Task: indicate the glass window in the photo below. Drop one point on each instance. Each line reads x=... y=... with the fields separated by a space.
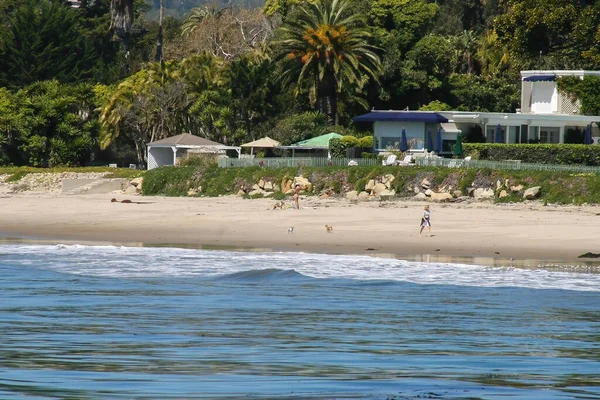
x=549 y=135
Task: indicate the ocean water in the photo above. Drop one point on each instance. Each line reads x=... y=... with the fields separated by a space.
x=103 y=322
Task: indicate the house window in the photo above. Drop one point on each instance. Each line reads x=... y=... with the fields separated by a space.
x=549 y=135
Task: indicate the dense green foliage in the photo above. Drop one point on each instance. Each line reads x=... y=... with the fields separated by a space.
x=556 y=187
x=535 y=153
x=73 y=91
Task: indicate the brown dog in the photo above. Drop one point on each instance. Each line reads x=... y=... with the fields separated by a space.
x=280 y=204
x=329 y=228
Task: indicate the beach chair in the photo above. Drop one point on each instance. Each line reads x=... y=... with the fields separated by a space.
x=391 y=160
x=407 y=161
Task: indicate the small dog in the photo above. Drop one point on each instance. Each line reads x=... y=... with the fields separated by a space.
x=280 y=204
x=291 y=229
x=329 y=228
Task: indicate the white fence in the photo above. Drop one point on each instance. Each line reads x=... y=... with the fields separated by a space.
x=283 y=162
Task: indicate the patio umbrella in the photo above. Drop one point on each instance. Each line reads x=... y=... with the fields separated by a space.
x=458 y=145
x=499 y=137
x=403 y=142
x=438 y=141
x=429 y=141
x=587 y=135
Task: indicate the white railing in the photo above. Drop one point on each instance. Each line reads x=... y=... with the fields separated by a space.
x=283 y=162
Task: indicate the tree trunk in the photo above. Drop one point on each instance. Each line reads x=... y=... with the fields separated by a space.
x=159 y=39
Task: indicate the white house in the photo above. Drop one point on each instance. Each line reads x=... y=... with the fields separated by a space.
x=546 y=115
x=167 y=151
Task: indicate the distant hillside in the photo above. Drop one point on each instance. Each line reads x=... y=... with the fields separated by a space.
x=178 y=8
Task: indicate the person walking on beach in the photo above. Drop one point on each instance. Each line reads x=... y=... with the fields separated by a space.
x=426 y=222
x=297 y=189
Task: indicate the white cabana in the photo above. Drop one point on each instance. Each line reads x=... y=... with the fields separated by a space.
x=166 y=151
x=264 y=143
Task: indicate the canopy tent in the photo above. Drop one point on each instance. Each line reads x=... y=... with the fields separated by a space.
x=165 y=151
x=264 y=143
x=316 y=143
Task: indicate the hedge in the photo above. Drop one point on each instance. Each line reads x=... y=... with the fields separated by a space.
x=564 y=154
x=338 y=147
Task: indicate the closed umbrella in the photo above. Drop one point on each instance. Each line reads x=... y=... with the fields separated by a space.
x=429 y=141
x=587 y=135
x=499 y=136
x=458 y=146
x=403 y=142
x=438 y=141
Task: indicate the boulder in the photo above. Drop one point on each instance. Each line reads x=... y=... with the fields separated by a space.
x=416 y=190
x=261 y=183
x=131 y=190
x=429 y=192
x=255 y=192
x=532 y=193
x=363 y=196
x=304 y=183
x=483 y=194
x=503 y=194
x=352 y=195
x=387 y=195
x=286 y=185
x=378 y=188
x=516 y=188
x=420 y=196
x=276 y=187
x=192 y=192
x=457 y=193
x=268 y=186
x=370 y=185
x=440 y=196
x=425 y=184
x=256 y=187
x=241 y=192
x=137 y=182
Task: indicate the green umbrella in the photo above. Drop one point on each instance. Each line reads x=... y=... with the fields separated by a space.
x=458 y=146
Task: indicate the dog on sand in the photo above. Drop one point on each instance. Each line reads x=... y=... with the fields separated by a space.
x=280 y=204
x=329 y=228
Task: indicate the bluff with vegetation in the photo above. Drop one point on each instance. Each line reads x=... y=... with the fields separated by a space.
x=90 y=85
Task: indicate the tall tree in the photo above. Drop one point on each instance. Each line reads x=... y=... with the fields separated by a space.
x=329 y=47
x=44 y=41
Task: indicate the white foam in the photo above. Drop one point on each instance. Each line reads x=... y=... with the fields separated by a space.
x=117 y=261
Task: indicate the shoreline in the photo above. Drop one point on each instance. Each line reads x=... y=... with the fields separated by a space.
x=476 y=231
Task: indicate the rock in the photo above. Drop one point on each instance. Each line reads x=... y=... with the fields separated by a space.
x=483 y=194
x=324 y=196
x=420 y=196
x=363 y=196
x=241 y=192
x=429 y=192
x=352 y=163
x=256 y=187
x=457 y=193
x=261 y=183
x=370 y=185
x=286 y=184
x=425 y=184
x=276 y=188
x=352 y=195
x=532 y=193
x=503 y=194
x=387 y=195
x=190 y=192
x=378 y=188
x=130 y=190
x=289 y=192
x=516 y=189
x=373 y=198
x=416 y=190
x=499 y=184
x=304 y=183
x=440 y=196
x=137 y=182
x=255 y=192
x=389 y=178
x=268 y=186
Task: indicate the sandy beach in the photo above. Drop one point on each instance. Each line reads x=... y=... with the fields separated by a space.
x=475 y=230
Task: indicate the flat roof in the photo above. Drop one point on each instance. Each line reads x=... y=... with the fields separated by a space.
x=410 y=116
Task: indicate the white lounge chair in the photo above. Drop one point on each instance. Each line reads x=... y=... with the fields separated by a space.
x=407 y=161
x=391 y=160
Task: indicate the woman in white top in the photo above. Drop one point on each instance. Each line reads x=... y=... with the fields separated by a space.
x=426 y=221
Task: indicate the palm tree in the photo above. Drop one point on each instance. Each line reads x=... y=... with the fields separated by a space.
x=328 y=45
x=492 y=56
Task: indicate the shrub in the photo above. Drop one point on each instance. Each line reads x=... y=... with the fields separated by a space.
x=536 y=153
